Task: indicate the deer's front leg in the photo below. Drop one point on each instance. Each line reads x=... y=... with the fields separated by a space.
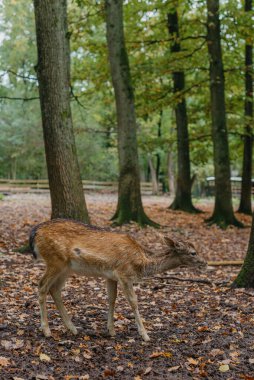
x=132 y=299
x=112 y=293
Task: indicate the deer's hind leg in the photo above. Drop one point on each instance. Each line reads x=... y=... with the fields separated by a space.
x=47 y=280
x=55 y=291
x=112 y=293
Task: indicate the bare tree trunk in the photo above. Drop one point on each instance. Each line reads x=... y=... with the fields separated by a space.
x=129 y=195
x=53 y=70
x=182 y=199
x=223 y=214
x=153 y=175
x=171 y=176
x=245 y=201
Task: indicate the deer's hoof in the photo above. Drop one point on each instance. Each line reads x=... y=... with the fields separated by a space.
x=46 y=332
x=73 y=330
x=146 y=338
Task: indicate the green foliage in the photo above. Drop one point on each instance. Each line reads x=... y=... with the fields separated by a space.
x=152 y=65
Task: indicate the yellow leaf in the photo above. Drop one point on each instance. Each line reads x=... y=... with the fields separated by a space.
x=192 y=361
x=162 y=353
x=224 y=368
x=45 y=358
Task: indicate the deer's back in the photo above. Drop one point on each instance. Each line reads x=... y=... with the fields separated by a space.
x=87 y=249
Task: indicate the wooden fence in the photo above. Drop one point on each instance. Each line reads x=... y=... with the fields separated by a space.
x=41 y=185
x=236 y=183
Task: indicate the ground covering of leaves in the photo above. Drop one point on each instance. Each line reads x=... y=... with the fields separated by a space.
x=198 y=330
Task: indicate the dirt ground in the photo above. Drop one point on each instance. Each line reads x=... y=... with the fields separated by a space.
x=199 y=327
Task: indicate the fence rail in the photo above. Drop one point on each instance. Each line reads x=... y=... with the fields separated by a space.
x=42 y=185
x=236 y=184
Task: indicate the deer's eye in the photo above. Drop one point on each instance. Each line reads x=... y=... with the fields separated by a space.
x=193 y=253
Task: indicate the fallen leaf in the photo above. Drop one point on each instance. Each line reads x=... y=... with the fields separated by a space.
x=44 y=357
x=162 y=353
x=4 y=362
x=192 y=361
x=147 y=370
x=216 y=352
x=174 y=369
x=109 y=372
x=6 y=344
x=224 y=368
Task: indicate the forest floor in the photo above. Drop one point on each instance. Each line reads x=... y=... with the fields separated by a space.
x=198 y=330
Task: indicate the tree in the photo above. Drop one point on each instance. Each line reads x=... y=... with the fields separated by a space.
x=182 y=199
x=245 y=278
x=129 y=205
x=223 y=214
x=245 y=201
x=53 y=72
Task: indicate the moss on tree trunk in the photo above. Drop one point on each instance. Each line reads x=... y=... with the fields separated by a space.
x=245 y=278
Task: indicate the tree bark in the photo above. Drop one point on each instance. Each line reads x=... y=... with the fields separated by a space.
x=182 y=199
x=245 y=278
x=245 y=200
x=53 y=70
x=129 y=194
x=223 y=214
x=153 y=175
x=171 y=176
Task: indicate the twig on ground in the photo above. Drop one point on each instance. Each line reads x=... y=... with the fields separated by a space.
x=202 y=281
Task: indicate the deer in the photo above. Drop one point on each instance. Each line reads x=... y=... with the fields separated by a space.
x=71 y=247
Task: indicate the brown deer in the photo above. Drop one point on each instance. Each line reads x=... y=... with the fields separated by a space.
x=70 y=247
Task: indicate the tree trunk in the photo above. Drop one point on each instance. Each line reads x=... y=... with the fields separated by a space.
x=153 y=175
x=53 y=70
x=223 y=214
x=158 y=156
x=245 y=201
x=171 y=176
x=245 y=278
x=129 y=195
x=182 y=199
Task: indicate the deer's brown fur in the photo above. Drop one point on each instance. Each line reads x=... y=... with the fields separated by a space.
x=71 y=247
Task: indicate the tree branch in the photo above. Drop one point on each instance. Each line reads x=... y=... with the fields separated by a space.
x=19 y=98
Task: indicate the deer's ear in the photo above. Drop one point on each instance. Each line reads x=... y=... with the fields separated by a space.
x=169 y=242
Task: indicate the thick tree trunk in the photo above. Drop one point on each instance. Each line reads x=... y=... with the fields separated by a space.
x=223 y=214
x=182 y=199
x=245 y=201
x=129 y=195
x=53 y=70
x=245 y=278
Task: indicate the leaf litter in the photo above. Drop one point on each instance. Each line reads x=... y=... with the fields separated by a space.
x=198 y=330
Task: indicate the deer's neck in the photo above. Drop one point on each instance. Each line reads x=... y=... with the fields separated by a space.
x=159 y=265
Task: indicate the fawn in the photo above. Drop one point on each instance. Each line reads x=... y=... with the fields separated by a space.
x=69 y=246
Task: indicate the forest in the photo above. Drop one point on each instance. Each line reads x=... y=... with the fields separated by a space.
x=126 y=154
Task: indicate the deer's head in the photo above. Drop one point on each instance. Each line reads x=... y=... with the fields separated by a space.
x=185 y=253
